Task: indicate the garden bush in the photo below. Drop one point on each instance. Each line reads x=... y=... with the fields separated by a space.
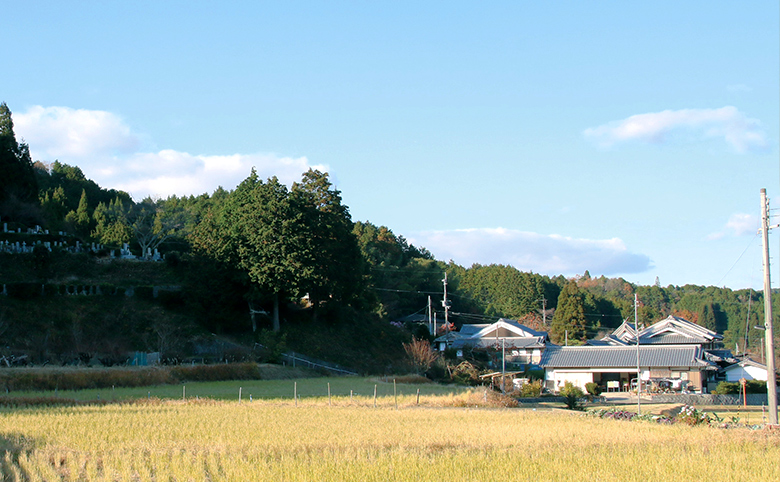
x=572 y=394
x=733 y=388
x=532 y=389
x=593 y=388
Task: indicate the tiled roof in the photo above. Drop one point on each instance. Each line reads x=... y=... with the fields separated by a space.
x=514 y=342
x=489 y=334
x=669 y=331
x=672 y=339
x=620 y=357
x=471 y=329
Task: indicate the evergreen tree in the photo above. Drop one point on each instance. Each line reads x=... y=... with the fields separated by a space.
x=333 y=265
x=17 y=182
x=111 y=226
x=257 y=230
x=569 y=320
x=80 y=218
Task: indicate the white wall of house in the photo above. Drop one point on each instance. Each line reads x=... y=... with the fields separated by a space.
x=748 y=373
x=577 y=378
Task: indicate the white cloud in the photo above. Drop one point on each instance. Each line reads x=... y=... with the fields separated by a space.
x=739 y=224
x=65 y=132
x=742 y=224
x=546 y=254
x=738 y=88
x=741 y=132
x=110 y=153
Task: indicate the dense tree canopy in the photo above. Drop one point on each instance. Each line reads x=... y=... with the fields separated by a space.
x=269 y=244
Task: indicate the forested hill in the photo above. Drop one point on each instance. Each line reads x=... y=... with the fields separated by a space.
x=272 y=256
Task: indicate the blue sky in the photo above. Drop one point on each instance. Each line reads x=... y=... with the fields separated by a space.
x=629 y=139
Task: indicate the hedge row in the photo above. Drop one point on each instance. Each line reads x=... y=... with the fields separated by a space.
x=30 y=379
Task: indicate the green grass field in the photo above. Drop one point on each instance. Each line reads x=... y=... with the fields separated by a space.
x=453 y=434
x=340 y=387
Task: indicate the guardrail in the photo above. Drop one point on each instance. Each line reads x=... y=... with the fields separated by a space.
x=296 y=359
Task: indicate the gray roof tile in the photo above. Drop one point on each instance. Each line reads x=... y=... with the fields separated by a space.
x=619 y=357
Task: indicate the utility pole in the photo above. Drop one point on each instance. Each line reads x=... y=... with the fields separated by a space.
x=769 y=336
x=544 y=310
x=431 y=328
x=446 y=304
x=638 y=372
x=503 y=365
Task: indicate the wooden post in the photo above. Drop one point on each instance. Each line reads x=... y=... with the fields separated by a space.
x=295 y=393
x=350 y=396
x=239 y=394
x=184 y=392
x=418 y=396
x=374 y=396
x=329 y=394
x=395 y=394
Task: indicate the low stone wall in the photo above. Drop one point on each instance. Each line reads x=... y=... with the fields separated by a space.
x=694 y=399
x=540 y=399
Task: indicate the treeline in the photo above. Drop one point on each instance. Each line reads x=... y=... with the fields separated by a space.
x=273 y=249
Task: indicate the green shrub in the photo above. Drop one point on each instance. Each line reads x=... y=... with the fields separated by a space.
x=532 y=389
x=593 y=388
x=755 y=386
x=572 y=394
x=273 y=344
x=733 y=388
x=727 y=388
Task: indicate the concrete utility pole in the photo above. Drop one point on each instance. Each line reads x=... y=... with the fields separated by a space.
x=446 y=305
x=431 y=328
x=638 y=372
x=544 y=310
x=769 y=335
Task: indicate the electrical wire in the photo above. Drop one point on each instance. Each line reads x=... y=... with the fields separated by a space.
x=737 y=261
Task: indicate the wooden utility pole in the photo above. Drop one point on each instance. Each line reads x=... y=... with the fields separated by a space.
x=769 y=335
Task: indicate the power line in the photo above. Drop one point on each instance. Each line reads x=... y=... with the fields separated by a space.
x=740 y=257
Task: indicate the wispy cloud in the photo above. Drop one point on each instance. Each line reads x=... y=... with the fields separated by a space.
x=739 y=224
x=741 y=132
x=738 y=88
x=109 y=152
x=546 y=254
